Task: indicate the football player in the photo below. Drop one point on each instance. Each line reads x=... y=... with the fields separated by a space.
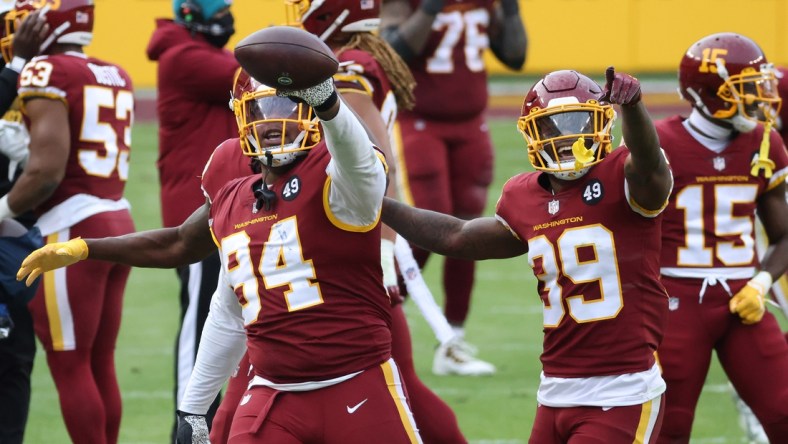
x=589 y=219
x=728 y=163
x=446 y=147
x=374 y=82
x=79 y=112
x=193 y=119
x=300 y=252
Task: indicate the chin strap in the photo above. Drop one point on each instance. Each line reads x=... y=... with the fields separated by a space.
x=264 y=196
x=762 y=162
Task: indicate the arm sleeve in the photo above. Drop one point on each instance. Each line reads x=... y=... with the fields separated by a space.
x=8 y=91
x=222 y=345
x=358 y=176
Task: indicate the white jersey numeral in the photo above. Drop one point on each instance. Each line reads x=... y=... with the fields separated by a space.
x=282 y=264
x=472 y=25
x=94 y=130
x=600 y=265
x=695 y=251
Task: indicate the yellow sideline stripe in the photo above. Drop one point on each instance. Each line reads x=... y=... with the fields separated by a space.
x=645 y=417
x=388 y=373
x=50 y=299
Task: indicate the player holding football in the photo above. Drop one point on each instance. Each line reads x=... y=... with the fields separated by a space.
x=728 y=164
x=445 y=147
x=79 y=112
x=589 y=220
x=300 y=249
x=375 y=83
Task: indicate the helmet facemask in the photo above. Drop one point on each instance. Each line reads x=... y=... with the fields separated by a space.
x=273 y=129
x=567 y=138
x=752 y=95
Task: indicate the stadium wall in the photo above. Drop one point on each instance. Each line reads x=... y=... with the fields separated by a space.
x=588 y=35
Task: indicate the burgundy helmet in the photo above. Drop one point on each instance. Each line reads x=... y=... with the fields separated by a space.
x=70 y=21
x=325 y=17
x=257 y=108
x=566 y=128
x=726 y=76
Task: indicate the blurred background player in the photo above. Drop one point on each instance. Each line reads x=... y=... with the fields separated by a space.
x=446 y=147
x=18 y=344
x=79 y=112
x=779 y=291
x=193 y=120
x=375 y=83
x=589 y=220
x=727 y=164
x=317 y=315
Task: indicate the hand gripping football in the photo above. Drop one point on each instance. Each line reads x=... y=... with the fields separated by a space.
x=284 y=57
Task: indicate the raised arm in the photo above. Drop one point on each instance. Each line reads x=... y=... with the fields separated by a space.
x=358 y=178
x=476 y=239
x=646 y=168
x=508 y=39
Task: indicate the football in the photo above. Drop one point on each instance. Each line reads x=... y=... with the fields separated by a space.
x=286 y=57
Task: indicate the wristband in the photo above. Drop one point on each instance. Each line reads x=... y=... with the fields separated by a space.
x=330 y=101
x=17 y=64
x=763 y=278
x=5 y=210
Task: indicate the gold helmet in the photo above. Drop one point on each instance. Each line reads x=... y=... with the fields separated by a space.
x=273 y=129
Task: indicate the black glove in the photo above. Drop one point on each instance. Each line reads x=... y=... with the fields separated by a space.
x=192 y=429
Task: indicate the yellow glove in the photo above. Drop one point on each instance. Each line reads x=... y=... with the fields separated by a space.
x=748 y=303
x=51 y=257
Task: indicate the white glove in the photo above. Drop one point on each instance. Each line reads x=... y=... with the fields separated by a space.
x=14 y=140
x=315 y=96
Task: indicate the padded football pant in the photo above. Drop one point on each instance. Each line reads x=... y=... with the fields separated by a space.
x=635 y=424
x=198 y=283
x=755 y=358
x=76 y=314
x=16 y=364
x=436 y=421
x=371 y=407
x=449 y=169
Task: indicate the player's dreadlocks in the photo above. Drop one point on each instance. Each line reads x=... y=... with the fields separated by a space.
x=399 y=74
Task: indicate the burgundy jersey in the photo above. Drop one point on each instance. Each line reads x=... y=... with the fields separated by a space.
x=709 y=222
x=100 y=103
x=230 y=163
x=596 y=261
x=782 y=90
x=312 y=294
x=451 y=79
x=360 y=72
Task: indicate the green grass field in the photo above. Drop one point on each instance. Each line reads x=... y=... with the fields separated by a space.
x=505 y=324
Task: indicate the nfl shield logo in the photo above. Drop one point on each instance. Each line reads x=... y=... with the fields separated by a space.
x=673 y=304
x=367 y=4
x=552 y=206
x=719 y=163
